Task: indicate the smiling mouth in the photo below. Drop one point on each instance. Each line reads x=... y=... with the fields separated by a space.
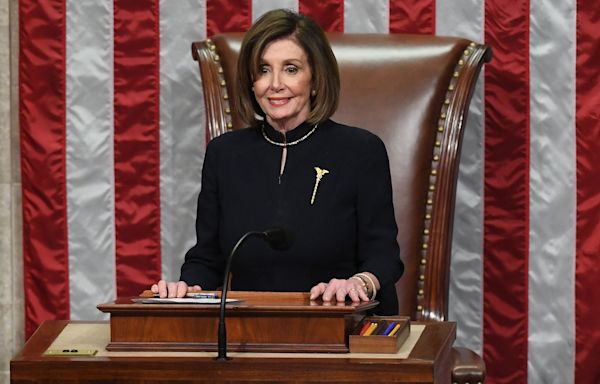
x=279 y=102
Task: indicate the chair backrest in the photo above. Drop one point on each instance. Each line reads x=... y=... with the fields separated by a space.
x=414 y=93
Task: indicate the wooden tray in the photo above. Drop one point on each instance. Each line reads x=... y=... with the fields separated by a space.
x=378 y=343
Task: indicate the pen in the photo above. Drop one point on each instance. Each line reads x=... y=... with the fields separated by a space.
x=393 y=332
x=202 y=295
x=389 y=328
x=364 y=328
x=198 y=295
x=371 y=329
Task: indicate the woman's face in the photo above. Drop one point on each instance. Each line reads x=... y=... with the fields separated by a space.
x=283 y=84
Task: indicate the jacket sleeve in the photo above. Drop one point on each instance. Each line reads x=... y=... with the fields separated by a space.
x=378 y=250
x=204 y=262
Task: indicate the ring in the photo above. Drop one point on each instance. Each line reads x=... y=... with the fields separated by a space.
x=352 y=289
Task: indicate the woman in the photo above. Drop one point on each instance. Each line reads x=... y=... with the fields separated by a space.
x=328 y=183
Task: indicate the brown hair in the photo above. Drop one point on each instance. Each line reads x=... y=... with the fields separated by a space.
x=277 y=24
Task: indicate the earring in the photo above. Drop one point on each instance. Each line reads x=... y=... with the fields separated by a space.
x=313 y=93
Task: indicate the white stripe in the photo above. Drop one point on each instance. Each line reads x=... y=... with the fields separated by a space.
x=89 y=156
x=552 y=192
x=366 y=16
x=259 y=7
x=465 y=19
x=181 y=129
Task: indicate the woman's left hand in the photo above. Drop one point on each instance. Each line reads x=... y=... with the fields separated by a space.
x=339 y=289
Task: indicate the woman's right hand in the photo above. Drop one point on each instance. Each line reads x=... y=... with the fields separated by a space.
x=173 y=289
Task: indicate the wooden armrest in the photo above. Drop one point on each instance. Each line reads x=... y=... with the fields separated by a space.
x=467 y=366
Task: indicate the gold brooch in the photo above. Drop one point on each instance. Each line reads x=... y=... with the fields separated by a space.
x=320 y=173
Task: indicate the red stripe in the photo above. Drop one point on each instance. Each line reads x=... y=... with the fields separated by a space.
x=42 y=134
x=136 y=144
x=506 y=190
x=328 y=14
x=412 y=16
x=587 y=270
x=228 y=16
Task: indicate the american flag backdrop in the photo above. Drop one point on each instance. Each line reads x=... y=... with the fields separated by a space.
x=112 y=142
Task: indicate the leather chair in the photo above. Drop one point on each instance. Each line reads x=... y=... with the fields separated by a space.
x=413 y=92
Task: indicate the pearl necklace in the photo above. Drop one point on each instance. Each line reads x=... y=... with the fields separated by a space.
x=291 y=142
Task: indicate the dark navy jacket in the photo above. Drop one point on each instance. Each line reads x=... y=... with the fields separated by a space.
x=349 y=227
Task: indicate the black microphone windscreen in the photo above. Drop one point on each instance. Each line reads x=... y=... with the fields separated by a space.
x=279 y=238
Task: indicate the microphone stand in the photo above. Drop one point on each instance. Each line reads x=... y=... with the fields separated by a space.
x=222 y=335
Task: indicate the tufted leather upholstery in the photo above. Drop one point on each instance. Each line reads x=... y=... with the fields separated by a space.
x=413 y=92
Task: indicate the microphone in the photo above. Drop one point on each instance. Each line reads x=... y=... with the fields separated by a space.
x=279 y=239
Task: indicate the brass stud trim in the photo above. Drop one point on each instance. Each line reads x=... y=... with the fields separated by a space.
x=225 y=108
x=436 y=156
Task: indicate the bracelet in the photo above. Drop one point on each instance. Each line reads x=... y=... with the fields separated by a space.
x=368 y=278
x=362 y=283
x=368 y=284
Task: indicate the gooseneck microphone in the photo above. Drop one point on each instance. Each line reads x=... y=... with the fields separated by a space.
x=279 y=239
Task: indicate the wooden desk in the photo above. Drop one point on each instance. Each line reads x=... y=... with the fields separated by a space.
x=428 y=362
x=259 y=322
